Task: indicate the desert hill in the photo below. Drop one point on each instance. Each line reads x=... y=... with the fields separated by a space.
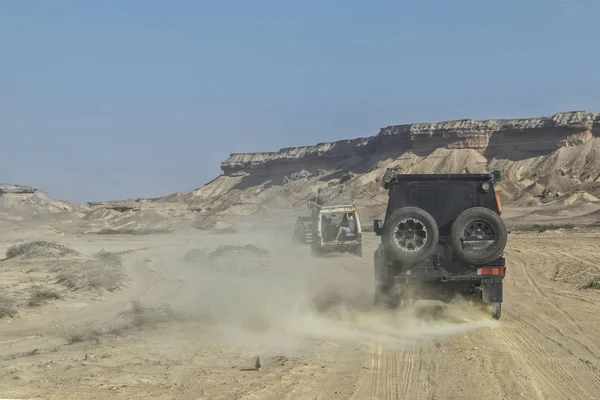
x=17 y=202
x=550 y=167
x=546 y=162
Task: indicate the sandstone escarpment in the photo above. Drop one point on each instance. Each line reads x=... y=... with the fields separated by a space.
x=549 y=161
x=537 y=136
x=545 y=161
x=25 y=201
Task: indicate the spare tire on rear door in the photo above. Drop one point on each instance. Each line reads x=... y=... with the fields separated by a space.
x=478 y=235
x=410 y=235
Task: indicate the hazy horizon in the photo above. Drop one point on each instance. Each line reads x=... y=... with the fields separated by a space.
x=109 y=101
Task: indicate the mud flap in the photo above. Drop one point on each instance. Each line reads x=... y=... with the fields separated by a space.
x=491 y=290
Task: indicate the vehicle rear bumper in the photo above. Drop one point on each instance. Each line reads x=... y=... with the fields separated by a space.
x=490 y=287
x=342 y=247
x=432 y=274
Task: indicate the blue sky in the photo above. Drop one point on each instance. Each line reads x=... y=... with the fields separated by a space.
x=117 y=99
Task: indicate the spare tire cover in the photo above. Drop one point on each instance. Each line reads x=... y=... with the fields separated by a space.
x=478 y=236
x=410 y=235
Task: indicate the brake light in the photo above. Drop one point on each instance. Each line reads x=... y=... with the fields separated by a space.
x=498 y=203
x=490 y=271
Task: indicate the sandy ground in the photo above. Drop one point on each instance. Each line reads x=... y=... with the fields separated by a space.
x=310 y=320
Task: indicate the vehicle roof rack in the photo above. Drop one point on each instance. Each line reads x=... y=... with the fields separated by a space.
x=390 y=177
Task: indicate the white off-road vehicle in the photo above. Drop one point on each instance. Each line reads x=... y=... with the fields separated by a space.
x=303 y=230
x=336 y=229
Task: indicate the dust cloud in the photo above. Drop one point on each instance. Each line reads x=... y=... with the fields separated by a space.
x=264 y=293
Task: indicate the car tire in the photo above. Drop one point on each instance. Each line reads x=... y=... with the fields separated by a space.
x=479 y=222
x=496 y=311
x=410 y=235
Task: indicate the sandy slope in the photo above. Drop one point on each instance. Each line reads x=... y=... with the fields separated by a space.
x=312 y=323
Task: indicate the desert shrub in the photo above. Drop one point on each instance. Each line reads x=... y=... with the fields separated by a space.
x=594 y=283
x=39 y=249
x=237 y=251
x=7 y=307
x=105 y=272
x=76 y=333
x=40 y=296
x=137 y=316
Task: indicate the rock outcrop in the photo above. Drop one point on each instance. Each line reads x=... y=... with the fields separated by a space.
x=25 y=201
x=537 y=136
x=544 y=161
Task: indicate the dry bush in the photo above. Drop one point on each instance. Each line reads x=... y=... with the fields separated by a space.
x=237 y=251
x=594 y=283
x=39 y=249
x=67 y=279
x=77 y=333
x=138 y=316
x=106 y=272
x=40 y=296
x=7 y=307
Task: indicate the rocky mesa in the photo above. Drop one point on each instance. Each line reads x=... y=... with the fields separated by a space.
x=25 y=201
x=546 y=161
x=532 y=136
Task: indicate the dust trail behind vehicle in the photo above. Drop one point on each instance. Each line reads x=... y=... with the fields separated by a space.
x=283 y=298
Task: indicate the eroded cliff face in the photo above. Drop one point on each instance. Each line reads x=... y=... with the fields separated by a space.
x=25 y=201
x=545 y=161
x=537 y=136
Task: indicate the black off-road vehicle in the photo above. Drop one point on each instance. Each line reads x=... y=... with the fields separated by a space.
x=442 y=236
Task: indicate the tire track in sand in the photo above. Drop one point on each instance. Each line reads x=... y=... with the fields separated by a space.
x=393 y=374
x=577 y=327
x=555 y=371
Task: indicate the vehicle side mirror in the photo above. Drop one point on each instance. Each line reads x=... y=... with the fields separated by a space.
x=378 y=227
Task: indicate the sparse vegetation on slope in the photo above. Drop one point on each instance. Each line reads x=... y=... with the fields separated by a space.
x=594 y=283
x=7 y=307
x=237 y=251
x=40 y=296
x=103 y=273
x=137 y=316
x=39 y=249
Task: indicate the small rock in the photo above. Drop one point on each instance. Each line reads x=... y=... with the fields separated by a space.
x=90 y=357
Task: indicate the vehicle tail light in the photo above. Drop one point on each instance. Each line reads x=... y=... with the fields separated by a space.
x=490 y=271
x=498 y=203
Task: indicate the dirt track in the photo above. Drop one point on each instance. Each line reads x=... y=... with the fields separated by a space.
x=312 y=323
